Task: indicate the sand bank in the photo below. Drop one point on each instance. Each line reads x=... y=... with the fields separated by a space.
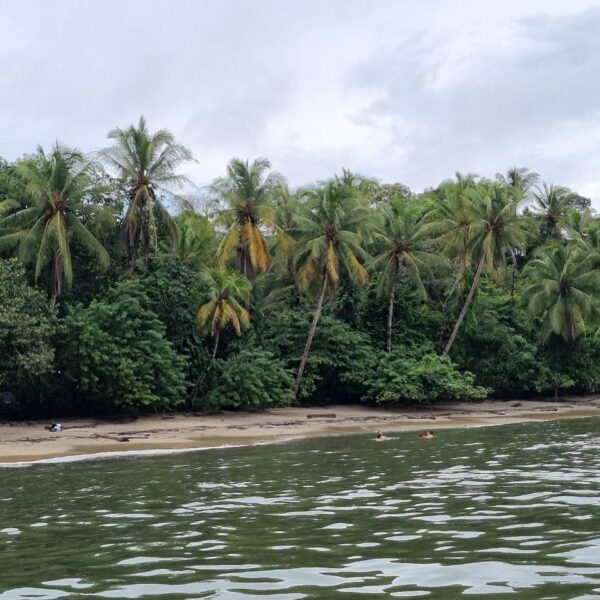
x=29 y=441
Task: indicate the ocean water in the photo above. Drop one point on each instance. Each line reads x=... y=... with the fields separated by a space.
x=498 y=512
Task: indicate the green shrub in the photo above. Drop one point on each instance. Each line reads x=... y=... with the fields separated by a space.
x=407 y=376
x=26 y=329
x=250 y=380
x=115 y=354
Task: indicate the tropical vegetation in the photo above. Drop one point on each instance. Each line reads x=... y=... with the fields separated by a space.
x=117 y=294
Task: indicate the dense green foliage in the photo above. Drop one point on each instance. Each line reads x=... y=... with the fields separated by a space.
x=419 y=375
x=26 y=328
x=115 y=353
x=348 y=290
x=250 y=380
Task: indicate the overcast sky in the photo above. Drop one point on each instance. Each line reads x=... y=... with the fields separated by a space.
x=406 y=91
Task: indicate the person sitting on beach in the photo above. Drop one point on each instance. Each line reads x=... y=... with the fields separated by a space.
x=55 y=427
x=379 y=437
x=426 y=435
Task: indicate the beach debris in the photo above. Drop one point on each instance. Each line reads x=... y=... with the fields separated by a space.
x=321 y=416
x=7 y=399
x=120 y=438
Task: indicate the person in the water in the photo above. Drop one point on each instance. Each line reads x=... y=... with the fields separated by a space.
x=379 y=437
x=426 y=435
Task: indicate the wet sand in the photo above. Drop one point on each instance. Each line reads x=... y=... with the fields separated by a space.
x=29 y=441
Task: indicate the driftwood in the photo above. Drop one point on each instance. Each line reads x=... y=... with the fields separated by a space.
x=321 y=416
x=120 y=438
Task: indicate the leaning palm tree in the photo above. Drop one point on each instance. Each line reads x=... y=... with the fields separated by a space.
x=552 y=205
x=43 y=230
x=228 y=297
x=247 y=192
x=493 y=232
x=449 y=219
x=332 y=241
x=400 y=252
x=147 y=163
x=564 y=289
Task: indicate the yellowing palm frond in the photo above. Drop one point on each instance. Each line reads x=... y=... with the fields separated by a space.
x=331 y=264
x=228 y=245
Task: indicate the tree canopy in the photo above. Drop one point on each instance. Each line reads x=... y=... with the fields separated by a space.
x=256 y=294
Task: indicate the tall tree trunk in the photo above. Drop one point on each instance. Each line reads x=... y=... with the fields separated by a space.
x=391 y=316
x=311 y=335
x=243 y=262
x=465 y=307
x=513 y=273
x=216 y=346
x=203 y=376
x=55 y=280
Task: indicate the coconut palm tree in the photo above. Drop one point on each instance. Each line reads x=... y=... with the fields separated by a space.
x=332 y=233
x=488 y=229
x=228 y=297
x=552 y=205
x=247 y=192
x=147 y=163
x=519 y=180
x=287 y=209
x=449 y=218
x=193 y=240
x=400 y=252
x=42 y=231
x=564 y=289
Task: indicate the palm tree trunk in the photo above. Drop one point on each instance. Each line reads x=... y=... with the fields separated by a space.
x=465 y=307
x=311 y=335
x=214 y=354
x=513 y=273
x=203 y=376
x=391 y=317
x=243 y=262
x=55 y=281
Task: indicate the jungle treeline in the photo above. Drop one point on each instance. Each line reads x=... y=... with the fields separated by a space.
x=124 y=289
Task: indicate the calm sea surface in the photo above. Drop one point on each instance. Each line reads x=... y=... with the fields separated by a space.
x=482 y=513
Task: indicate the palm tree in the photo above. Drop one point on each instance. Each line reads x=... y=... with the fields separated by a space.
x=563 y=289
x=228 y=296
x=449 y=218
x=519 y=180
x=448 y=221
x=400 y=250
x=147 y=163
x=247 y=192
x=488 y=228
x=193 y=240
x=332 y=237
x=286 y=213
x=552 y=205
x=43 y=229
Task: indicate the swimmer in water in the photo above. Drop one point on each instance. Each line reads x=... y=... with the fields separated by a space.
x=379 y=437
x=426 y=435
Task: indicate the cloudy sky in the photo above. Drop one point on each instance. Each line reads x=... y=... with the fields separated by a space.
x=406 y=91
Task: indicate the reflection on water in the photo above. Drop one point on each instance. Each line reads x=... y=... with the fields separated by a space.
x=480 y=513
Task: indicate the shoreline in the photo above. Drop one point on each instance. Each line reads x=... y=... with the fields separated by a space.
x=26 y=443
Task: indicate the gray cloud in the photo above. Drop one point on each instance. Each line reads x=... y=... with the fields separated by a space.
x=399 y=89
x=494 y=104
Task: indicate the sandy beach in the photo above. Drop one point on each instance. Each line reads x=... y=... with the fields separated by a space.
x=30 y=441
